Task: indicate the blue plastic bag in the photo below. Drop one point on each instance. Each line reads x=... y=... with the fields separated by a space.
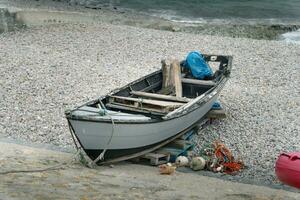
x=196 y=63
x=216 y=106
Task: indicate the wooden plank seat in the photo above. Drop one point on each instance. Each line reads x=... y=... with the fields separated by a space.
x=143 y=104
x=148 y=112
x=160 y=96
x=198 y=82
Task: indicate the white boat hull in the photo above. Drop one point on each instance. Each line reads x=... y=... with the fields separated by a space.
x=96 y=135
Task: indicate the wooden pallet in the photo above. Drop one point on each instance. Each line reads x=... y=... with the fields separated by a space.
x=188 y=136
x=216 y=114
x=154 y=158
x=179 y=144
x=176 y=148
x=170 y=152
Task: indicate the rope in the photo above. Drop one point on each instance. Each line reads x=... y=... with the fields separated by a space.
x=73 y=137
x=79 y=151
x=54 y=167
x=101 y=155
x=86 y=159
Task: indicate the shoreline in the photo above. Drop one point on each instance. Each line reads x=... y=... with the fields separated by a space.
x=43 y=74
x=269 y=30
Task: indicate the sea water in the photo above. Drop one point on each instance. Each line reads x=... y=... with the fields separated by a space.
x=292 y=37
x=220 y=9
x=266 y=12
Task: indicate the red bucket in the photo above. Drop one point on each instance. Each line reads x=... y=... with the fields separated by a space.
x=287 y=169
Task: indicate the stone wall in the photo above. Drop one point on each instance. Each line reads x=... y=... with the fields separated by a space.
x=7 y=20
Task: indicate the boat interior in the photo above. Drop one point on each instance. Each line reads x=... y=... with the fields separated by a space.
x=156 y=94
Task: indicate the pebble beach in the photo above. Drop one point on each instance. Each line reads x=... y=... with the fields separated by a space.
x=48 y=69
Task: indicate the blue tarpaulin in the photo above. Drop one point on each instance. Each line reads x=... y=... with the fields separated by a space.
x=196 y=63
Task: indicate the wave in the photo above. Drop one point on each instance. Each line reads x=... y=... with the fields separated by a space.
x=292 y=37
x=174 y=16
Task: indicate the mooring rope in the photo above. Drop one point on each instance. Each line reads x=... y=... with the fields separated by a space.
x=90 y=164
x=54 y=167
x=101 y=155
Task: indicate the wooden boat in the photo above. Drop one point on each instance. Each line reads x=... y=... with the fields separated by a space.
x=136 y=119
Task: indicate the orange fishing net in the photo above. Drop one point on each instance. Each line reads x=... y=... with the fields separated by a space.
x=226 y=159
x=222 y=152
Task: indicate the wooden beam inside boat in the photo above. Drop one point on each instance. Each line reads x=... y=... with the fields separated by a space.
x=171 y=72
x=197 y=82
x=146 y=101
x=134 y=110
x=175 y=66
x=166 y=71
x=151 y=87
x=160 y=96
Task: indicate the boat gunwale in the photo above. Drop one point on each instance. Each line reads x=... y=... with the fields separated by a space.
x=205 y=97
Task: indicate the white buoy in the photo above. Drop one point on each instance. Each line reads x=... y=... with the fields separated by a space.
x=181 y=161
x=198 y=163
